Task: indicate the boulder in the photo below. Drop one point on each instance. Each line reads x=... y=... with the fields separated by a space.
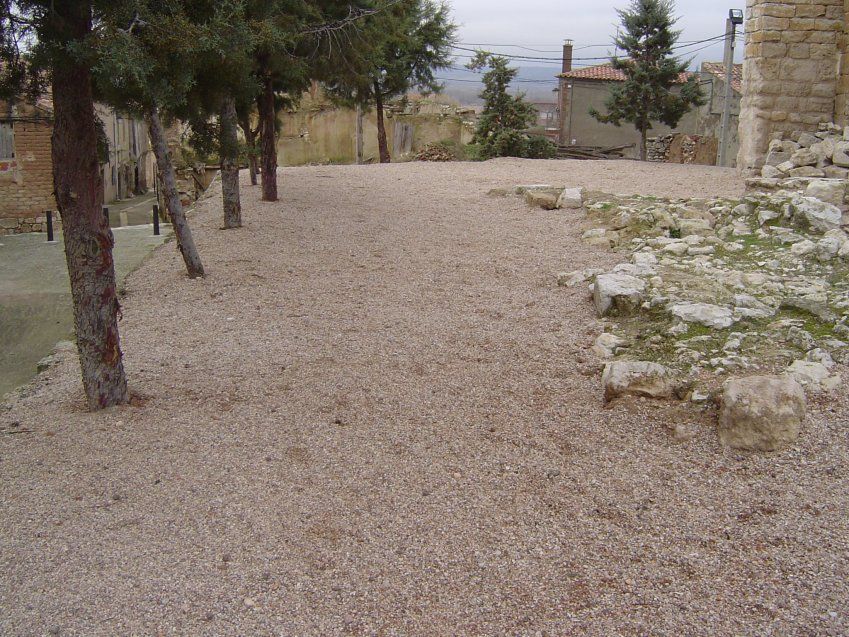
x=827 y=190
x=836 y=172
x=545 y=199
x=802 y=248
x=817 y=215
x=714 y=316
x=807 y=171
x=804 y=157
x=813 y=374
x=606 y=344
x=619 y=294
x=571 y=199
x=761 y=413
x=840 y=157
x=570 y=279
x=678 y=248
x=828 y=247
x=806 y=140
x=785 y=166
x=638 y=378
x=770 y=172
x=694 y=226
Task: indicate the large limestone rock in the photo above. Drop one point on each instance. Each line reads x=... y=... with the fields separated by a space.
x=817 y=215
x=761 y=413
x=827 y=190
x=814 y=375
x=714 y=316
x=804 y=157
x=617 y=293
x=571 y=199
x=840 y=157
x=637 y=378
x=540 y=198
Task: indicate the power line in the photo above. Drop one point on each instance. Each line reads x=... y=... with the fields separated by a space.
x=559 y=50
x=606 y=57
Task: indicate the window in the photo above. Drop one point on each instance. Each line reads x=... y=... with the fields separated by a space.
x=7 y=141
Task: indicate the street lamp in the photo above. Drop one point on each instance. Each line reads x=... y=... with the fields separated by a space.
x=736 y=16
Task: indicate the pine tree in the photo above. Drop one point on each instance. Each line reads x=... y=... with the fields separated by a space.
x=145 y=67
x=400 y=48
x=650 y=70
x=502 y=123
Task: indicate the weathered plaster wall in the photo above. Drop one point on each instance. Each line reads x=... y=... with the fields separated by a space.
x=793 y=78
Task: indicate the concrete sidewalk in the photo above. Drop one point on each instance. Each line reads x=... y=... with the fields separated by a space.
x=35 y=298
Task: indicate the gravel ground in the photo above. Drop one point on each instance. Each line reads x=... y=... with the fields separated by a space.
x=378 y=415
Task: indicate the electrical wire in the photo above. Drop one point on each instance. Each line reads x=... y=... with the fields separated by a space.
x=606 y=57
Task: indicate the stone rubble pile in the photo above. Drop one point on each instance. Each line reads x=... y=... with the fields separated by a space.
x=802 y=154
x=718 y=287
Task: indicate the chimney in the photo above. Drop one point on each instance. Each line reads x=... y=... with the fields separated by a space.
x=567 y=56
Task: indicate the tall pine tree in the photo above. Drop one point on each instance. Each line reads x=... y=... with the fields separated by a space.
x=651 y=71
x=399 y=48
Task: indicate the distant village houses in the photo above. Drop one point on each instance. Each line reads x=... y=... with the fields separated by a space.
x=26 y=168
x=586 y=88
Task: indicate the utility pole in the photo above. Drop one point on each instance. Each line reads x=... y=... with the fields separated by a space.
x=359 y=134
x=735 y=17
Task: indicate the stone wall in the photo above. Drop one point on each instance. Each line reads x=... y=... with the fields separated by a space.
x=792 y=77
x=26 y=181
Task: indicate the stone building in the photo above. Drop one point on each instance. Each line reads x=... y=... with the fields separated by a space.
x=795 y=72
x=26 y=167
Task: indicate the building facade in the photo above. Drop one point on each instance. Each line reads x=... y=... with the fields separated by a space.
x=26 y=166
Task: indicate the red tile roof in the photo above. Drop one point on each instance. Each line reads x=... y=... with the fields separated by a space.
x=606 y=73
x=718 y=69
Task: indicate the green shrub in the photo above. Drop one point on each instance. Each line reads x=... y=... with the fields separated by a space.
x=539 y=147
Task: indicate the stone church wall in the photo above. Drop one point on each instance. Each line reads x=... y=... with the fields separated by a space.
x=795 y=72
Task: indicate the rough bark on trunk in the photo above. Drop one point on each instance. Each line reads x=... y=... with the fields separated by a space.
x=268 y=140
x=168 y=179
x=250 y=140
x=382 y=146
x=643 y=135
x=229 y=148
x=78 y=186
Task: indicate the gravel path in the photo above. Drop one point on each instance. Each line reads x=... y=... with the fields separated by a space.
x=378 y=415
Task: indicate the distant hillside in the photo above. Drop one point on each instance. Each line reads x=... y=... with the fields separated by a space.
x=536 y=81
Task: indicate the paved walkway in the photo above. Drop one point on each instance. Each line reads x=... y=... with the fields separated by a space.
x=35 y=304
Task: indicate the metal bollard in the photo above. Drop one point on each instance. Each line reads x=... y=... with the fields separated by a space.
x=156 y=220
x=106 y=214
x=49 y=214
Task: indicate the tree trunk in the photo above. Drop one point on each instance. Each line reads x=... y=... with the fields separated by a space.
x=168 y=179
x=78 y=186
x=382 y=146
x=643 y=135
x=268 y=140
x=229 y=149
x=250 y=140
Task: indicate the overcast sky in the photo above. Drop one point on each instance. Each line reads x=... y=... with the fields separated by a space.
x=544 y=24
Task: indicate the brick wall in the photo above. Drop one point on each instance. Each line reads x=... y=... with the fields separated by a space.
x=26 y=182
x=793 y=76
